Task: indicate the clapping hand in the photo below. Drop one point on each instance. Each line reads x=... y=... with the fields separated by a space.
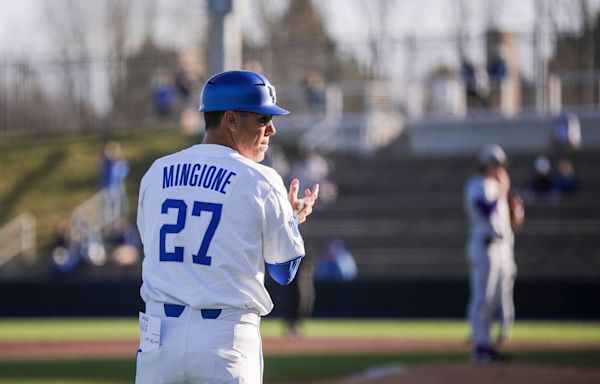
x=302 y=206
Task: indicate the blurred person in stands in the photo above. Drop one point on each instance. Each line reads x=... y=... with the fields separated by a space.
x=567 y=133
x=125 y=243
x=476 y=83
x=314 y=90
x=540 y=185
x=113 y=172
x=64 y=260
x=497 y=68
x=163 y=95
x=335 y=262
x=186 y=84
x=490 y=251
x=542 y=179
x=566 y=181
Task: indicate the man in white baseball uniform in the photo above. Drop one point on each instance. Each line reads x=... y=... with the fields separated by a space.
x=489 y=251
x=210 y=218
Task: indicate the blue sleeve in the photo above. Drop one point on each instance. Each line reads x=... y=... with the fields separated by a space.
x=284 y=273
x=486 y=208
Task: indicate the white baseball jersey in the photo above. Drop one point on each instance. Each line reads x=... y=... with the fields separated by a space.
x=209 y=219
x=486 y=190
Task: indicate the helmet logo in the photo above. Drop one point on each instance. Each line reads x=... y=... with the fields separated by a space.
x=272 y=93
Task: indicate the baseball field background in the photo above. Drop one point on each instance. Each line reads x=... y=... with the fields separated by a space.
x=54 y=175
x=355 y=351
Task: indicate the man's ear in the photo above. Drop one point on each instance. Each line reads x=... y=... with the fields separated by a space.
x=230 y=120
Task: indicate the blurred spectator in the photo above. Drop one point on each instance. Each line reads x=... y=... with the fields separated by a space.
x=163 y=95
x=311 y=169
x=567 y=133
x=542 y=180
x=185 y=83
x=476 y=83
x=187 y=76
x=565 y=182
x=335 y=263
x=497 y=69
x=91 y=249
x=64 y=260
x=300 y=297
x=314 y=89
x=300 y=293
x=113 y=172
x=125 y=243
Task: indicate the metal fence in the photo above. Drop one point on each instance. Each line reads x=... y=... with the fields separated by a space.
x=422 y=78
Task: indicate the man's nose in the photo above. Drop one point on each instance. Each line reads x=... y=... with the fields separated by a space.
x=271 y=130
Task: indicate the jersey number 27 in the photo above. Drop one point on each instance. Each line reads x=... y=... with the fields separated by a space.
x=177 y=255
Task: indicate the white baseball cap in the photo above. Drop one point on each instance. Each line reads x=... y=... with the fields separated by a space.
x=492 y=154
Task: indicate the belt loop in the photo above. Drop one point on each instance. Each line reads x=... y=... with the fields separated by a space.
x=173 y=310
x=210 y=313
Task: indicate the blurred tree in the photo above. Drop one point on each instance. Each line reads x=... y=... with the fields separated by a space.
x=94 y=40
x=377 y=15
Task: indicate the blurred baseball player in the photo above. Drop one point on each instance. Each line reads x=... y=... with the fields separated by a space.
x=489 y=251
x=210 y=217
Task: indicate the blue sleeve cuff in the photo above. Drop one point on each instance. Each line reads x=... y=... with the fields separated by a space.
x=284 y=273
x=486 y=208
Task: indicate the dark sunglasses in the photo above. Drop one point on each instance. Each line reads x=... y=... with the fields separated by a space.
x=262 y=119
x=265 y=119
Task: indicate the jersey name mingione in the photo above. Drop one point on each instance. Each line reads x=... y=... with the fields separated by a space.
x=197 y=175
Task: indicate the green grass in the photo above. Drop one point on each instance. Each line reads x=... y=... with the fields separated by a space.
x=67 y=329
x=50 y=177
x=280 y=368
x=120 y=328
x=277 y=368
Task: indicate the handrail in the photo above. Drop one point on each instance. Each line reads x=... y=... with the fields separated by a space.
x=90 y=217
x=18 y=237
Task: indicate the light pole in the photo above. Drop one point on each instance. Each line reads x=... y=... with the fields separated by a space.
x=224 y=43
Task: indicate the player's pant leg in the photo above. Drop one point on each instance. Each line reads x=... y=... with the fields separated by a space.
x=225 y=350
x=484 y=281
x=509 y=274
x=478 y=273
x=164 y=364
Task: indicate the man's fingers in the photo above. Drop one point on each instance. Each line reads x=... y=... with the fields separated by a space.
x=293 y=193
x=315 y=192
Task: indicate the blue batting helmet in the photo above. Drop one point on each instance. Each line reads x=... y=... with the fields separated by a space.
x=239 y=91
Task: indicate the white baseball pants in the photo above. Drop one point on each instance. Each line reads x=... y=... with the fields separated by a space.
x=196 y=350
x=492 y=276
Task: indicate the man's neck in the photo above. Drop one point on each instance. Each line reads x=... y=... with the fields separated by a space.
x=211 y=137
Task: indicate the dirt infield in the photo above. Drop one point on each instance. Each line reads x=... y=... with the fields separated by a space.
x=271 y=346
x=447 y=373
